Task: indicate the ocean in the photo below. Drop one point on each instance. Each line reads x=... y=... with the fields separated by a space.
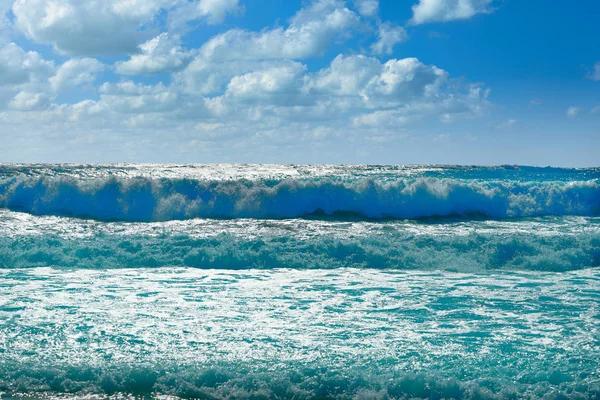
x=299 y=282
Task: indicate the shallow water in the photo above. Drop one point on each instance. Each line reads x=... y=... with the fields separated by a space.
x=308 y=283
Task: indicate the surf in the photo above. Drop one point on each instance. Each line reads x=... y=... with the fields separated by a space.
x=146 y=199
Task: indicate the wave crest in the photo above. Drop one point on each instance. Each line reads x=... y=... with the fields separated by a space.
x=146 y=199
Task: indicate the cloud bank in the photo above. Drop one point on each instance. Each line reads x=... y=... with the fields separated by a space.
x=122 y=75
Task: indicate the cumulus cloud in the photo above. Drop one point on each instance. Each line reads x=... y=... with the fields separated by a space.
x=280 y=85
x=367 y=8
x=26 y=101
x=76 y=72
x=23 y=78
x=134 y=98
x=382 y=118
x=251 y=89
x=216 y=10
x=448 y=105
x=5 y=5
x=402 y=80
x=309 y=34
x=572 y=112
x=238 y=52
x=18 y=66
x=277 y=98
x=351 y=85
x=388 y=36
x=212 y=11
x=87 y=28
x=206 y=77
x=447 y=10
x=286 y=91
x=158 y=55
x=346 y=76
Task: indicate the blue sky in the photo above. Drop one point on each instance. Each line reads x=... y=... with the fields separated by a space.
x=314 y=81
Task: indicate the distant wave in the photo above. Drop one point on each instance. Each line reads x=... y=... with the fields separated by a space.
x=146 y=199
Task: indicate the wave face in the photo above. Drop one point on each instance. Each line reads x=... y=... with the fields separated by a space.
x=122 y=194
x=536 y=244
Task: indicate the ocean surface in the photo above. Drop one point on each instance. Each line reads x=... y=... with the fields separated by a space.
x=299 y=282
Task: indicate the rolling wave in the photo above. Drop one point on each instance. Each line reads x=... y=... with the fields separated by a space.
x=146 y=199
x=472 y=252
x=314 y=382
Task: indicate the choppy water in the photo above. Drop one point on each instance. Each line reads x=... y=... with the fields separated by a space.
x=233 y=281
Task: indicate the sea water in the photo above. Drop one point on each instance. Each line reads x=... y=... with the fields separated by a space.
x=276 y=282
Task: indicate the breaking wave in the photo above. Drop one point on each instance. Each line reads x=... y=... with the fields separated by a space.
x=468 y=253
x=297 y=383
x=145 y=199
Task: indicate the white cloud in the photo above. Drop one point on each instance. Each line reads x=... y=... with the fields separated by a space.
x=87 y=28
x=367 y=8
x=241 y=89
x=18 y=66
x=594 y=74
x=213 y=11
x=206 y=77
x=388 y=37
x=76 y=72
x=23 y=78
x=353 y=88
x=366 y=83
x=5 y=5
x=238 y=52
x=271 y=104
x=25 y=101
x=381 y=118
x=216 y=9
x=131 y=98
x=346 y=76
x=309 y=34
x=447 y=10
x=596 y=109
x=279 y=85
x=161 y=54
x=572 y=112
x=448 y=105
x=404 y=80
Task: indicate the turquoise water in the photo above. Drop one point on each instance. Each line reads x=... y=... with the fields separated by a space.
x=352 y=282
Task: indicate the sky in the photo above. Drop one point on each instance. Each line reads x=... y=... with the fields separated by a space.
x=486 y=82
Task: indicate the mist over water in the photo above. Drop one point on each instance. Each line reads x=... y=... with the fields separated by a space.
x=240 y=281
